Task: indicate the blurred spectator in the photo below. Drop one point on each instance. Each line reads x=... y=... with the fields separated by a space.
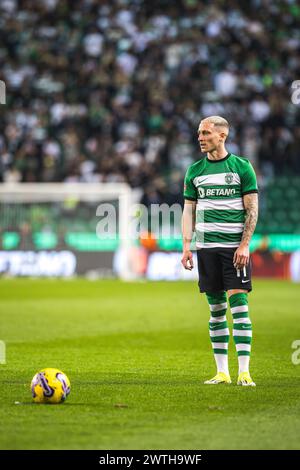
x=114 y=90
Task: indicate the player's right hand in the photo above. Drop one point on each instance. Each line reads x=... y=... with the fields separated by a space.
x=187 y=260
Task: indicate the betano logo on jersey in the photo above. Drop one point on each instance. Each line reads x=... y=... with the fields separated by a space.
x=212 y=192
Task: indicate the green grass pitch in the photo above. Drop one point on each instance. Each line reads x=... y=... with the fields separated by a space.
x=137 y=355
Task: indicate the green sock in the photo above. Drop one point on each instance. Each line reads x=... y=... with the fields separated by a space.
x=218 y=329
x=242 y=329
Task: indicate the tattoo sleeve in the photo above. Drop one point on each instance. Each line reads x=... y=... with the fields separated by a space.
x=251 y=206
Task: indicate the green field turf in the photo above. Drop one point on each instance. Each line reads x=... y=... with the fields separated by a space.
x=137 y=355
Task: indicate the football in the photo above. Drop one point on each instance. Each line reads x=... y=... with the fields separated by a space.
x=50 y=386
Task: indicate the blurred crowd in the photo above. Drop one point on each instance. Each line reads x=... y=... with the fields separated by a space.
x=114 y=90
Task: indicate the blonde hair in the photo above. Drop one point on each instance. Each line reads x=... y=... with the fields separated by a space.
x=217 y=121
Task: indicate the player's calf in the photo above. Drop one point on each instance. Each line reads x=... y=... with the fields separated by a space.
x=242 y=331
x=218 y=330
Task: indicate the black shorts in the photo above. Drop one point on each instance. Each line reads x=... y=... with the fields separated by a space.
x=217 y=273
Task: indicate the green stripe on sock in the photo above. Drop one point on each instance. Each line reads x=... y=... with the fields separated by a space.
x=236 y=316
x=219 y=313
x=242 y=339
x=220 y=351
x=216 y=298
x=236 y=300
x=219 y=339
x=243 y=353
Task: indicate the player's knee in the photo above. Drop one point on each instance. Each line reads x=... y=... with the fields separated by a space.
x=239 y=305
x=217 y=305
x=231 y=292
x=238 y=299
x=215 y=298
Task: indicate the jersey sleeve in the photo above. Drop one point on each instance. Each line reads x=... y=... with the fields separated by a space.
x=248 y=179
x=190 y=191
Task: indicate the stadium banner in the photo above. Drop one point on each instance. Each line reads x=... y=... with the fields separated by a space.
x=152 y=265
x=64 y=263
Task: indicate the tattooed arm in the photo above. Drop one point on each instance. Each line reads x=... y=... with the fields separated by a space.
x=242 y=255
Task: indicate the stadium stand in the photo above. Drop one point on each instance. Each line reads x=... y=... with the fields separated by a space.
x=114 y=90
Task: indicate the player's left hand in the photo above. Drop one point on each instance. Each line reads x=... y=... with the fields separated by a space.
x=241 y=256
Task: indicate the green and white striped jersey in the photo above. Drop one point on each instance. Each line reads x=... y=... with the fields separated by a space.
x=218 y=187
